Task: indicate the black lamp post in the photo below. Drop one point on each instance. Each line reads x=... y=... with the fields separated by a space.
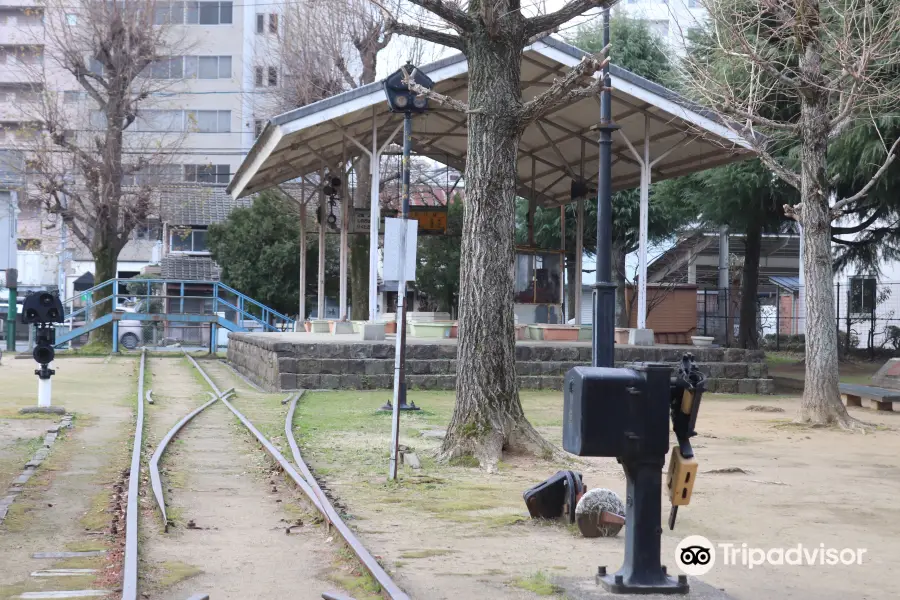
x=402 y=99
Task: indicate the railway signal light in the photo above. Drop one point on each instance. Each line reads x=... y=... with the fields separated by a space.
x=43 y=310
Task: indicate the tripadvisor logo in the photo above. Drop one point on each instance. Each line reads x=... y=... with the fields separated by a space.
x=695 y=555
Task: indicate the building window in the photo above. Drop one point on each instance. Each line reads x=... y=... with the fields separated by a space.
x=168 y=13
x=95 y=67
x=160 y=121
x=258 y=79
x=273 y=24
x=258 y=126
x=209 y=121
x=150 y=231
x=207 y=173
x=73 y=97
x=862 y=295
x=187 y=240
x=208 y=13
x=260 y=23
x=71 y=19
x=273 y=77
x=154 y=174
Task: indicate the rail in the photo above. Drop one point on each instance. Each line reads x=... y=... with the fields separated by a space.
x=130 y=577
x=311 y=488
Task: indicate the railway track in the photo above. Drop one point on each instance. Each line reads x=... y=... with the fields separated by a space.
x=297 y=470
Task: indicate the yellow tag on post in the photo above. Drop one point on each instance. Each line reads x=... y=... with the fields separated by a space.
x=680 y=478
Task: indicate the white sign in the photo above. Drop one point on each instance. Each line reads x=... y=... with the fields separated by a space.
x=361 y=220
x=8 y=236
x=393 y=232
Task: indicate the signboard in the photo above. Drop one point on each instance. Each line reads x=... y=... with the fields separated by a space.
x=8 y=235
x=393 y=230
x=361 y=220
x=432 y=219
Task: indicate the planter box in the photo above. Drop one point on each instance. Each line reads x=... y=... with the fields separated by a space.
x=702 y=341
x=390 y=327
x=586 y=332
x=307 y=326
x=621 y=335
x=319 y=326
x=522 y=332
x=535 y=332
x=454 y=331
x=340 y=327
x=560 y=333
x=357 y=325
x=428 y=317
x=430 y=330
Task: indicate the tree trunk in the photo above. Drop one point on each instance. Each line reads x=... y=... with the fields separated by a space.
x=821 y=403
x=359 y=247
x=488 y=416
x=618 y=271
x=106 y=259
x=748 y=335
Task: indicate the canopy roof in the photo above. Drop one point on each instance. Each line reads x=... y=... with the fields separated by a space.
x=552 y=152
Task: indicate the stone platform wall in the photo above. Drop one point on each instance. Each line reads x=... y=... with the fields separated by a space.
x=279 y=365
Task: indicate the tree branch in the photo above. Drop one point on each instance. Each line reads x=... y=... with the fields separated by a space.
x=429 y=35
x=448 y=12
x=857 y=228
x=439 y=98
x=574 y=8
x=563 y=91
x=866 y=188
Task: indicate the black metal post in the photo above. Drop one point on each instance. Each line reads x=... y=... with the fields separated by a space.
x=849 y=324
x=642 y=571
x=837 y=295
x=705 y=310
x=603 y=341
x=401 y=302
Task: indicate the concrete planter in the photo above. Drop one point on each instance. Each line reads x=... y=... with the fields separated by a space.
x=454 y=330
x=319 y=326
x=522 y=332
x=702 y=341
x=586 y=332
x=357 y=325
x=307 y=326
x=621 y=335
x=535 y=332
x=340 y=327
x=390 y=327
x=428 y=317
x=430 y=329
x=560 y=333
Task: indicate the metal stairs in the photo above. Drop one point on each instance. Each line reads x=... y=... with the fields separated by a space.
x=172 y=302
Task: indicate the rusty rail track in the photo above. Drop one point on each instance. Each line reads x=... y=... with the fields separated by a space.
x=307 y=482
x=130 y=561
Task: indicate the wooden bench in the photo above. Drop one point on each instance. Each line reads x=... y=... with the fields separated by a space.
x=882 y=398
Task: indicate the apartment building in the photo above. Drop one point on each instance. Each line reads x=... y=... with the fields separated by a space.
x=671 y=20
x=216 y=97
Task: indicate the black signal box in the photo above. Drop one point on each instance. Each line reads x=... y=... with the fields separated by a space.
x=619 y=413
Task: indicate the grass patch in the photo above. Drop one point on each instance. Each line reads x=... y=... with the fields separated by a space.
x=96 y=518
x=13 y=413
x=86 y=546
x=90 y=349
x=427 y=553
x=466 y=460
x=348 y=574
x=537 y=583
x=173 y=572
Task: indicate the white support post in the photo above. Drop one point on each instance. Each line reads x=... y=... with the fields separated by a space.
x=562 y=246
x=642 y=236
x=322 y=245
x=374 y=217
x=345 y=223
x=301 y=316
x=44 y=388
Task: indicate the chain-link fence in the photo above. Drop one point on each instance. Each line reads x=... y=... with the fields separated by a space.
x=866 y=308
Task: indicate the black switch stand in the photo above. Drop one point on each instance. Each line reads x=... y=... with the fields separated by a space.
x=642 y=572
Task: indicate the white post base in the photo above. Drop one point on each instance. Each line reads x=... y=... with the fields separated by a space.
x=44 y=392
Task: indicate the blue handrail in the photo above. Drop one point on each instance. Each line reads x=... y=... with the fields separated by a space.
x=269 y=319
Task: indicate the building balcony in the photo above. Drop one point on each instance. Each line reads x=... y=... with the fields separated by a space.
x=18 y=34
x=18 y=74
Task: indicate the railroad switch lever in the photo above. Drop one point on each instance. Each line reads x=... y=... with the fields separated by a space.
x=687 y=390
x=624 y=413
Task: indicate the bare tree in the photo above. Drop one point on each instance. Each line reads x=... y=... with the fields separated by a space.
x=804 y=72
x=488 y=416
x=95 y=149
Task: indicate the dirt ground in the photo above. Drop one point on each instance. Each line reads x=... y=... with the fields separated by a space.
x=456 y=532
x=64 y=506
x=442 y=531
x=228 y=510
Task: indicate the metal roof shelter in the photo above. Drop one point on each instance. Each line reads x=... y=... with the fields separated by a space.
x=661 y=135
